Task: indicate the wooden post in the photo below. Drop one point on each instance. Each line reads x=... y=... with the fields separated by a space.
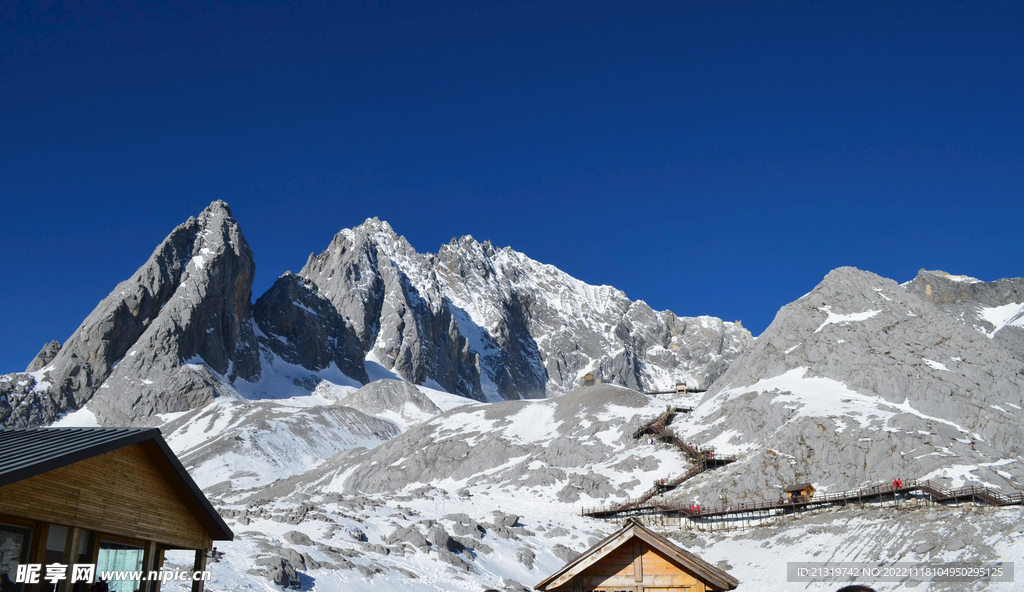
x=200 y=566
x=71 y=557
x=638 y=564
x=149 y=564
x=159 y=566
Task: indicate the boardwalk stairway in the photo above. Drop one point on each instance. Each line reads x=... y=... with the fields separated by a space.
x=704 y=458
x=657 y=429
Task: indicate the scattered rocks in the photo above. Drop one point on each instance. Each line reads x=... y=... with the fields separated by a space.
x=280 y=571
x=297 y=538
x=564 y=553
x=525 y=556
x=408 y=534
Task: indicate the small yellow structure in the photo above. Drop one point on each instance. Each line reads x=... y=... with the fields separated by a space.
x=638 y=560
x=588 y=379
x=800 y=492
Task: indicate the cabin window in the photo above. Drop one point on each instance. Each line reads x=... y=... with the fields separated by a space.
x=14 y=545
x=119 y=557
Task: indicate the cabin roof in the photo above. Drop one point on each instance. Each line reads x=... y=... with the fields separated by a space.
x=27 y=452
x=797 y=487
x=710 y=573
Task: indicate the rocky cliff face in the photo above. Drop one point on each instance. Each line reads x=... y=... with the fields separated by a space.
x=484 y=323
x=164 y=340
x=993 y=308
x=44 y=357
x=861 y=378
x=303 y=328
x=493 y=324
x=175 y=351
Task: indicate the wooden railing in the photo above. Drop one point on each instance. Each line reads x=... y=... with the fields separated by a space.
x=934 y=491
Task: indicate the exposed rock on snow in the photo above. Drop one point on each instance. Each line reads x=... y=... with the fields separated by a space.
x=234 y=447
x=392 y=399
x=994 y=308
x=906 y=391
x=564 y=447
x=24 y=402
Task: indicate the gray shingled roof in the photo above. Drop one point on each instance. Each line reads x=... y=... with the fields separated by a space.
x=29 y=452
x=23 y=452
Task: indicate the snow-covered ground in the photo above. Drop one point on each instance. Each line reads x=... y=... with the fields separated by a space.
x=506 y=526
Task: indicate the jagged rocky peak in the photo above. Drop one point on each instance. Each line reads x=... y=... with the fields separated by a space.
x=863 y=377
x=389 y=296
x=44 y=357
x=166 y=339
x=202 y=337
x=494 y=324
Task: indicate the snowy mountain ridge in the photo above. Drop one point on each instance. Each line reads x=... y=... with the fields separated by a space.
x=349 y=425
x=513 y=327
x=471 y=320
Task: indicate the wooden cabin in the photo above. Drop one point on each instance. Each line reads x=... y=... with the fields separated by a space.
x=799 y=492
x=115 y=497
x=636 y=559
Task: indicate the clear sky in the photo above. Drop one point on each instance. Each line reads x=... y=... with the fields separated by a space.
x=707 y=157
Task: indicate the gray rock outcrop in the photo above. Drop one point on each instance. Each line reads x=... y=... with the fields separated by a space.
x=860 y=381
x=44 y=357
x=993 y=308
x=494 y=324
x=303 y=328
x=24 y=402
x=280 y=571
x=396 y=396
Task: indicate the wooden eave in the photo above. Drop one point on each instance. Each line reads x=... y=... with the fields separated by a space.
x=632 y=528
x=78 y=444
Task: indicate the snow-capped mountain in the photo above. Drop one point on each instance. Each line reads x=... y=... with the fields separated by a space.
x=472 y=320
x=493 y=324
x=386 y=419
x=167 y=339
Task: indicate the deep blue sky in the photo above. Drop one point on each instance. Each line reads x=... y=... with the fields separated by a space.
x=710 y=158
